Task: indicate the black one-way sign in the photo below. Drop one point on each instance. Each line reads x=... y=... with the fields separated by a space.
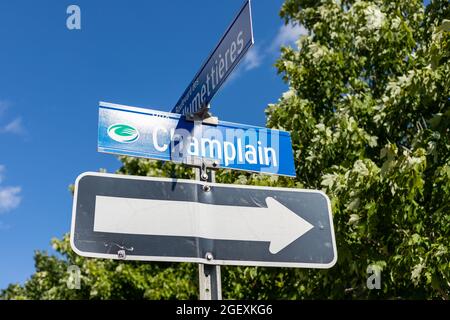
x=157 y=219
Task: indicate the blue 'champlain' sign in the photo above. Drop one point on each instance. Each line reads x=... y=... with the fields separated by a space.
x=218 y=66
x=168 y=136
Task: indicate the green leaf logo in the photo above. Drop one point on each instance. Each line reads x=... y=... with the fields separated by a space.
x=123 y=133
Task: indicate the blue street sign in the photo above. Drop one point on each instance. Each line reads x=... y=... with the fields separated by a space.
x=170 y=137
x=215 y=70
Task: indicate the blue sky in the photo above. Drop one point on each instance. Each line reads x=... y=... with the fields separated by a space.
x=139 y=53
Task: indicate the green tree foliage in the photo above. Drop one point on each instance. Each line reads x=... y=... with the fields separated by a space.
x=369 y=112
x=368 y=108
x=103 y=279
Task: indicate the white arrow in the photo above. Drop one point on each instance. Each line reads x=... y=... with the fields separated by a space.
x=275 y=224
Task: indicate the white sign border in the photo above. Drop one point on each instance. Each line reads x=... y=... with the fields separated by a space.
x=201 y=260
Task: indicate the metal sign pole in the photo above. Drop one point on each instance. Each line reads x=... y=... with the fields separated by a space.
x=210 y=283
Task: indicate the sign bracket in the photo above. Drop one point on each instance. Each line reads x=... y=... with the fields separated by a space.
x=204 y=116
x=199 y=118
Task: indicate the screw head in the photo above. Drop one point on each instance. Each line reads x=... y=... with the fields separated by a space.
x=215 y=164
x=204 y=176
x=206 y=188
x=209 y=256
x=121 y=255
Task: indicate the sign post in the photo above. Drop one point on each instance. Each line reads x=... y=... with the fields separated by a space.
x=209 y=278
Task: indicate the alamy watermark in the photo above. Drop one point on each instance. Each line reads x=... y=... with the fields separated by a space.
x=74 y=279
x=373 y=277
x=73 y=21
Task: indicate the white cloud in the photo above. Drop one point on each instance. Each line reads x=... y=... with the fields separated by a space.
x=14 y=126
x=9 y=198
x=287 y=35
x=252 y=59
